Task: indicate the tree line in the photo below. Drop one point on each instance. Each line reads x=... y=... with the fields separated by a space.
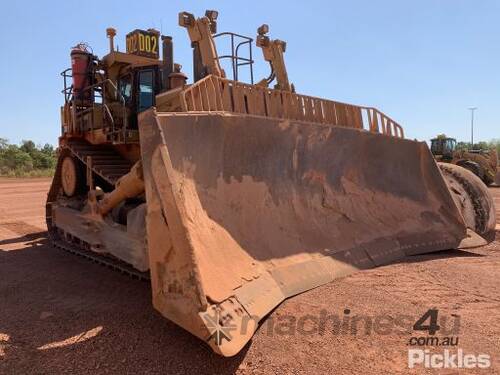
x=26 y=159
x=494 y=143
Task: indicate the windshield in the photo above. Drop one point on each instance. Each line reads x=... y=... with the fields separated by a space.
x=146 y=93
x=436 y=146
x=440 y=146
x=451 y=144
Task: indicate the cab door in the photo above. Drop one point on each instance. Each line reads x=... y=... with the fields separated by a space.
x=125 y=88
x=147 y=88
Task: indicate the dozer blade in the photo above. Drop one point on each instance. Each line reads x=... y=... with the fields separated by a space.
x=246 y=211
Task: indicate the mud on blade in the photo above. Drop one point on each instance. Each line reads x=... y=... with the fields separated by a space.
x=245 y=211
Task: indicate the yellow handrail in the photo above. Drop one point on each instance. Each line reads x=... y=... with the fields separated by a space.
x=220 y=94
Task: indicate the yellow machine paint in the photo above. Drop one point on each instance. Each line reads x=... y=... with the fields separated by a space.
x=232 y=196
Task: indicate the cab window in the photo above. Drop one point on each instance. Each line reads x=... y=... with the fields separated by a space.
x=125 y=87
x=435 y=146
x=146 y=90
x=451 y=144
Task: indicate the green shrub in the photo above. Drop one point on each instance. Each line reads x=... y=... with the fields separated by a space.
x=26 y=160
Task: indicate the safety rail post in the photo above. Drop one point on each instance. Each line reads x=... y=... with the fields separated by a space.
x=90 y=180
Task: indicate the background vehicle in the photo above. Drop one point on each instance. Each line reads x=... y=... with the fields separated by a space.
x=233 y=196
x=483 y=163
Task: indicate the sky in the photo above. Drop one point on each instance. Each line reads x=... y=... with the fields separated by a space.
x=423 y=63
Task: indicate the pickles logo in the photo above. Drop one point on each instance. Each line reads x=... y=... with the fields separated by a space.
x=447 y=359
x=218 y=331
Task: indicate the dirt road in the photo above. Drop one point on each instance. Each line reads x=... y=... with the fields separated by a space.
x=63 y=314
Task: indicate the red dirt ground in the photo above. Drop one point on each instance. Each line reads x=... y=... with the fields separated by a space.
x=63 y=314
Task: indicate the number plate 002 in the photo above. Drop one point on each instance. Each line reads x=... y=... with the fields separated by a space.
x=143 y=43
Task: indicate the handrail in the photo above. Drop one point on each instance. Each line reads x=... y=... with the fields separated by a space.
x=68 y=90
x=236 y=60
x=220 y=94
x=118 y=96
x=108 y=112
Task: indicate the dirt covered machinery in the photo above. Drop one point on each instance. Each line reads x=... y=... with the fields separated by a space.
x=232 y=196
x=483 y=163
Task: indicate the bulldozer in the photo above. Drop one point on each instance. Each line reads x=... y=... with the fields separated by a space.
x=231 y=196
x=483 y=163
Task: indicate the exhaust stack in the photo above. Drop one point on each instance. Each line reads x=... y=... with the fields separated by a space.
x=168 y=61
x=111 y=33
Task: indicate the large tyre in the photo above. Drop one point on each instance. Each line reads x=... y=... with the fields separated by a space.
x=473 y=199
x=487 y=180
x=473 y=167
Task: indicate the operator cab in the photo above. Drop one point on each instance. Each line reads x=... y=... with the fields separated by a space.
x=104 y=96
x=138 y=88
x=443 y=147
